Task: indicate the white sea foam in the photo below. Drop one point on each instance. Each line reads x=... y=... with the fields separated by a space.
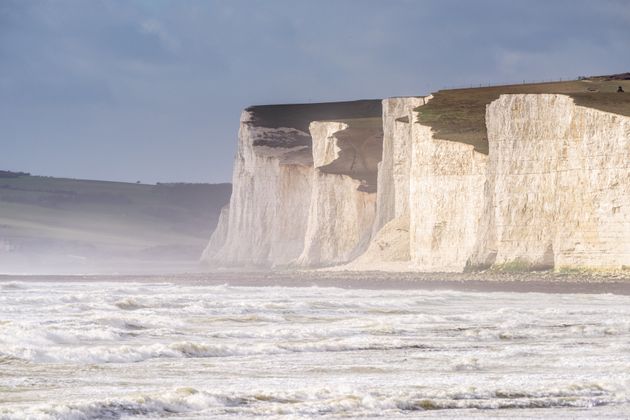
x=112 y=350
x=96 y=353
x=13 y=285
x=310 y=402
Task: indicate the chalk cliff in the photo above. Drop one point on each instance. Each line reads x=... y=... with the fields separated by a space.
x=446 y=197
x=390 y=247
x=376 y=188
x=394 y=169
x=273 y=179
x=269 y=205
x=559 y=184
x=343 y=199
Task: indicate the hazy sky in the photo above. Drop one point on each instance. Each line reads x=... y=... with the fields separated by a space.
x=152 y=90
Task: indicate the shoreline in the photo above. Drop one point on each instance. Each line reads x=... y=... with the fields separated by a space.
x=483 y=282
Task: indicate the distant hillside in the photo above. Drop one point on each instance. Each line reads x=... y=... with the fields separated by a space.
x=82 y=224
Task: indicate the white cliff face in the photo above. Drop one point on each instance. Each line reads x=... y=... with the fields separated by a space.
x=560 y=194
x=273 y=186
x=269 y=204
x=341 y=215
x=340 y=221
x=389 y=248
x=394 y=169
x=446 y=201
x=553 y=192
x=325 y=145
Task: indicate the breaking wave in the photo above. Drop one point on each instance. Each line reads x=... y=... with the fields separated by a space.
x=313 y=402
x=187 y=349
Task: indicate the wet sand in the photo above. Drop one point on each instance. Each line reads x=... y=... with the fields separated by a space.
x=489 y=281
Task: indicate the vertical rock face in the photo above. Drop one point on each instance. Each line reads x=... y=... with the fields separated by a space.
x=340 y=221
x=447 y=197
x=552 y=192
x=394 y=169
x=269 y=205
x=389 y=247
x=272 y=183
x=341 y=212
x=561 y=191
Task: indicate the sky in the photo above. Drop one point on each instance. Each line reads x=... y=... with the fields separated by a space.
x=152 y=90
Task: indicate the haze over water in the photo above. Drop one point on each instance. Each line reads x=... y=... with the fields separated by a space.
x=95 y=350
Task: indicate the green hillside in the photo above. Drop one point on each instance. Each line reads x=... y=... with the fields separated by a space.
x=56 y=221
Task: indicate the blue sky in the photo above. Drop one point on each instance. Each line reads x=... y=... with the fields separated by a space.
x=152 y=90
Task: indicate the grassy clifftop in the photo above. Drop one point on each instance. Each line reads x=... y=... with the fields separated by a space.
x=459 y=114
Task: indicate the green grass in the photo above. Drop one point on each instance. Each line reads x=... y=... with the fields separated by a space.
x=45 y=215
x=519 y=266
x=459 y=114
x=515 y=266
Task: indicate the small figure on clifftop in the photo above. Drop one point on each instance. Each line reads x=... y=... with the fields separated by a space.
x=619 y=89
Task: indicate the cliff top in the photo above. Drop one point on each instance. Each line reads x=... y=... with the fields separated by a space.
x=459 y=114
x=299 y=116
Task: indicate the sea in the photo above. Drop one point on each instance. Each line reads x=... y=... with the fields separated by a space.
x=126 y=350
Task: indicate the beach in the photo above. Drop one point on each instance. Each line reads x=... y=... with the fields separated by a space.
x=486 y=281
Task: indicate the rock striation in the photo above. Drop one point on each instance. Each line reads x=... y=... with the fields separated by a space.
x=369 y=187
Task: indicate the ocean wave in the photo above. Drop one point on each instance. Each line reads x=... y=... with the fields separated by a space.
x=6 y=359
x=190 y=349
x=296 y=331
x=43 y=336
x=267 y=352
x=13 y=285
x=167 y=404
x=313 y=402
x=129 y=304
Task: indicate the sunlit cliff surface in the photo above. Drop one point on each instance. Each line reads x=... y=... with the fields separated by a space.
x=510 y=177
